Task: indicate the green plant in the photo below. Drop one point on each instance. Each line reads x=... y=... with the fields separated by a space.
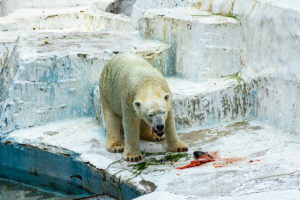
x=151 y=159
x=238 y=78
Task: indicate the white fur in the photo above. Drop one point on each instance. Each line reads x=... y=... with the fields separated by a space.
x=131 y=90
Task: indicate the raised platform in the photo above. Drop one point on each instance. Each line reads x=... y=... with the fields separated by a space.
x=262 y=150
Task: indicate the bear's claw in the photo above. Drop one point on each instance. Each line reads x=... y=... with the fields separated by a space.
x=182 y=149
x=133 y=158
x=115 y=148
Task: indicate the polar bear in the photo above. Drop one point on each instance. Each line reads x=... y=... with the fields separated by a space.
x=134 y=95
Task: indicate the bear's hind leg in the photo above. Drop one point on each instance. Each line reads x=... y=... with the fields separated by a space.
x=146 y=133
x=173 y=141
x=114 y=142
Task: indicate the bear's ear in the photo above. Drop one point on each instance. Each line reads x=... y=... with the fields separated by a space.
x=137 y=105
x=167 y=97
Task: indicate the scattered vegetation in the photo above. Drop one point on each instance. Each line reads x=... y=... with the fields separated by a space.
x=230 y=14
x=224 y=15
x=151 y=159
x=238 y=78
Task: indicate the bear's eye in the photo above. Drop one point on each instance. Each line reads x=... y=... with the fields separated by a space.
x=150 y=115
x=163 y=112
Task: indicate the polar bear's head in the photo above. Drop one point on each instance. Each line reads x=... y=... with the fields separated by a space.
x=154 y=112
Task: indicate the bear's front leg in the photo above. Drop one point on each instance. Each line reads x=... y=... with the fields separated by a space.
x=173 y=141
x=131 y=126
x=114 y=142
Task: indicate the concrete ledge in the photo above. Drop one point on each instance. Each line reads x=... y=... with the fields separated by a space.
x=53 y=67
x=204 y=45
x=141 y=6
x=78 y=19
x=210 y=104
x=9 y=6
x=74 y=143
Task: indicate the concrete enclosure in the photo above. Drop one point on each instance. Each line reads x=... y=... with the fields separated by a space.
x=226 y=62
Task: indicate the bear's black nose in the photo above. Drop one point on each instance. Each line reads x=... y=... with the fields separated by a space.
x=160 y=127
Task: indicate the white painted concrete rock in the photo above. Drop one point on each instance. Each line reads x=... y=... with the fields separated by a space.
x=9 y=6
x=204 y=45
x=209 y=104
x=141 y=6
x=64 y=19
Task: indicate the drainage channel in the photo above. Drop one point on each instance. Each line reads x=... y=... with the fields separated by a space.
x=35 y=172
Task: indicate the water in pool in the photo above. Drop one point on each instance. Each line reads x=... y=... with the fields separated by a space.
x=11 y=190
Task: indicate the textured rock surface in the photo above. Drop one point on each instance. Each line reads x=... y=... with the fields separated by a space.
x=204 y=45
x=271 y=41
x=209 y=104
x=277 y=102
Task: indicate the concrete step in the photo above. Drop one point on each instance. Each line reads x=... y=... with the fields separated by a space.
x=10 y=6
x=80 y=18
x=204 y=45
x=207 y=104
x=211 y=103
x=141 y=6
x=56 y=73
x=263 y=158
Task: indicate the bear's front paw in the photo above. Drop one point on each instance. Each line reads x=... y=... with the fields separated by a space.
x=115 y=147
x=132 y=157
x=179 y=147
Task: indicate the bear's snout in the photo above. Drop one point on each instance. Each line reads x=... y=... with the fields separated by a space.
x=160 y=127
x=160 y=130
x=159 y=133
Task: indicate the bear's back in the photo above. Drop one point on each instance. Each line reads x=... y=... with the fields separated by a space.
x=124 y=75
x=128 y=62
x=128 y=68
